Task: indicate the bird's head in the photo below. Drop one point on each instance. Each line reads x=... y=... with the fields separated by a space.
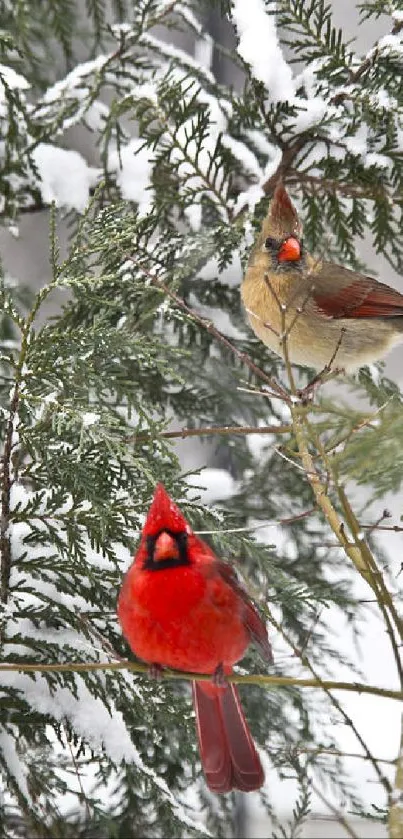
x=281 y=235
x=165 y=534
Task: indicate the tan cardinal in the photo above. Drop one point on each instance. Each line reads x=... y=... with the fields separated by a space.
x=327 y=314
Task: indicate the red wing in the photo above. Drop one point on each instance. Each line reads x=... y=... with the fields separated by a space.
x=363 y=298
x=253 y=621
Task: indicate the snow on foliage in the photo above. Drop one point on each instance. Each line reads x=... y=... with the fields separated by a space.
x=134 y=167
x=212 y=485
x=259 y=47
x=12 y=80
x=65 y=176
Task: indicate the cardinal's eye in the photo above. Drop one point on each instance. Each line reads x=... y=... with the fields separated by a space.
x=271 y=244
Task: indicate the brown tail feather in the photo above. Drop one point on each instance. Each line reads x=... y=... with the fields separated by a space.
x=227 y=751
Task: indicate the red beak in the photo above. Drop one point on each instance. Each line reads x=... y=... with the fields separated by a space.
x=165 y=547
x=290 y=250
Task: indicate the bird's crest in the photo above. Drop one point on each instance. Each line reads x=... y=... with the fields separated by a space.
x=164 y=515
x=282 y=218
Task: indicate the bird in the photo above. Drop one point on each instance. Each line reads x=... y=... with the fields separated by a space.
x=316 y=313
x=181 y=607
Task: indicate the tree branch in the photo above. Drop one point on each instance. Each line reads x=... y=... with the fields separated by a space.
x=395 y=819
x=338 y=815
x=259 y=679
x=224 y=430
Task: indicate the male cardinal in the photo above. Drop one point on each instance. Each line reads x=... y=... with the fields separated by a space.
x=327 y=314
x=181 y=607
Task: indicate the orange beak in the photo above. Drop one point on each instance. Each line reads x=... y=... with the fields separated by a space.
x=290 y=250
x=165 y=547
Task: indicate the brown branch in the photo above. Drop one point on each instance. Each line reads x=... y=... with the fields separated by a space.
x=365 y=65
x=395 y=528
x=338 y=815
x=224 y=430
x=316 y=184
x=258 y=679
x=395 y=819
x=278 y=391
x=6 y=483
x=289 y=155
x=319 y=750
x=290 y=152
x=335 y=702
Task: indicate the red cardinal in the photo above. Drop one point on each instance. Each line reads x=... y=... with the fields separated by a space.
x=181 y=607
x=328 y=312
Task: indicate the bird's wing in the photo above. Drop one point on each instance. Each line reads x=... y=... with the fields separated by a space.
x=253 y=621
x=338 y=293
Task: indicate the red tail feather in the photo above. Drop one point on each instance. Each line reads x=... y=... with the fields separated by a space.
x=228 y=753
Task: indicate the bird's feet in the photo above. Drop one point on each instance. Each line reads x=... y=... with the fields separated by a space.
x=219 y=678
x=307 y=393
x=155 y=671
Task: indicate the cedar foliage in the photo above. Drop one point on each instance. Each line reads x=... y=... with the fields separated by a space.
x=86 y=398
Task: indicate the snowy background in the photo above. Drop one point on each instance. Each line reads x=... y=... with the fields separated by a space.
x=67 y=176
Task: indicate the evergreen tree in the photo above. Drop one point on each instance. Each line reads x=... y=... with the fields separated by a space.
x=152 y=346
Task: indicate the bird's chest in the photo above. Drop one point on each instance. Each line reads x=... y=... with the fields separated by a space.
x=170 y=595
x=182 y=619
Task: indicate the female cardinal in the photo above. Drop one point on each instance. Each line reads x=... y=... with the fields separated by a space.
x=181 y=607
x=324 y=312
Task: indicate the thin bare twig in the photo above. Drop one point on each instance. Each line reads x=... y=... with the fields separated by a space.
x=209 y=327
x=225 y=430
x=334 y=701
x=395 y=820
x=338 y=815
x=78 y=776
x=319 y=750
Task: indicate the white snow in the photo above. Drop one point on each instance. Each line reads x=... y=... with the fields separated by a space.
x=382 y=99
x=194 y=163
x=231 y=275
x=92 y=721
x=218 y=317
x=310 y=112
x=75 y=80
x=249 y=160
x=96 y=116
x=89 y=418
x=11 y=79
x=13 y=761
x=133 y=165
x=260 y=48
x=391 y=43
x=19 y=496
x=381 y=161
x=65 y=177
x=254 y=193
x=212 y=485
x=258 y=443
x=375 y=373
x=357 y=144
x=219 y=111
x=204 y=48
x=261 y=143
x=178 y=56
